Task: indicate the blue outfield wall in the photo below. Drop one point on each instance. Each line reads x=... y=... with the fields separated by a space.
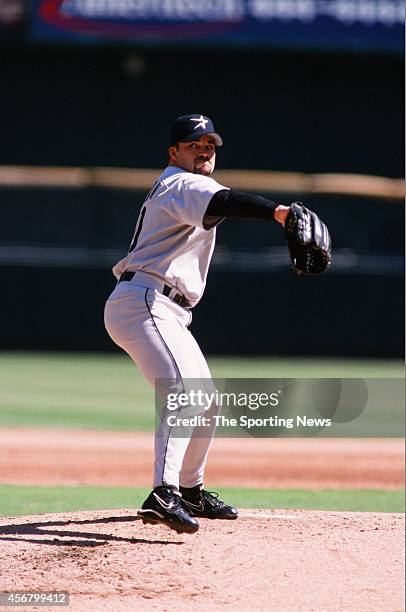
x=323 y=25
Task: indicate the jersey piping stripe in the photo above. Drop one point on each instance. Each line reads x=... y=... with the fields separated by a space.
x=176 y=368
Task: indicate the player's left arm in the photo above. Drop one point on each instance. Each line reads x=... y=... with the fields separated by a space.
x=234 y=204
x=308 y=238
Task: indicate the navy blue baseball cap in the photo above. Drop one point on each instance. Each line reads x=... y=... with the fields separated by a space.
x=190 y=127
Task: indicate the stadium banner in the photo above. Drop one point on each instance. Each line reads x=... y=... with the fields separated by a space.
x=358 y=25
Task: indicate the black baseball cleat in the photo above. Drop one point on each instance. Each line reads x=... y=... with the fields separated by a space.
x=164 y=506
x=206 y=504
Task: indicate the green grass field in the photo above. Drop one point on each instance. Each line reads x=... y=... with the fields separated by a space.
x=106 y=391
x=18 y=500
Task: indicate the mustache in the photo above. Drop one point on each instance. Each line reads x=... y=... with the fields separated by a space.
x=201 y=158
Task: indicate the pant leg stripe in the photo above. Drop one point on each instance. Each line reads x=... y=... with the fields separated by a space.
x=176 y=368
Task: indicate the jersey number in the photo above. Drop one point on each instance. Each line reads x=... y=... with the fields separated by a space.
x=138 y=228
x=141 y=217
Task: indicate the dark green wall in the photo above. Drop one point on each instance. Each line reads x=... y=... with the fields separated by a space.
x=61 y=245
x=290 y=112
x=256 y=313
x=304 y=112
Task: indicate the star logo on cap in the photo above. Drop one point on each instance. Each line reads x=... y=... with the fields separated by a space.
x=201 y=122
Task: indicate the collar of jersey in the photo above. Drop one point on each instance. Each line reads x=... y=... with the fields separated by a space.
x=171 y=170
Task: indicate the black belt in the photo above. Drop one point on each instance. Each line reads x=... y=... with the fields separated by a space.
x=178 y=298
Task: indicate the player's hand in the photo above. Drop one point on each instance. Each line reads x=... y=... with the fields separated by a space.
x=281 y=213
x=308 y=240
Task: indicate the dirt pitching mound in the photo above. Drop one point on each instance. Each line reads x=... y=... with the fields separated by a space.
x=266 y=560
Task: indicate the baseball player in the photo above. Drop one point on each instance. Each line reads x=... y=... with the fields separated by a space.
x=148 y=314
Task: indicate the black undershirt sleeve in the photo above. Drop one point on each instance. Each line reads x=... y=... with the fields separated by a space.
x=240 y=205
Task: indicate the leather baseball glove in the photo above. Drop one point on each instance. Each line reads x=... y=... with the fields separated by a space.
x=308 y=240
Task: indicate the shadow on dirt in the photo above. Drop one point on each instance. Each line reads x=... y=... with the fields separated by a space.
x=89 y=539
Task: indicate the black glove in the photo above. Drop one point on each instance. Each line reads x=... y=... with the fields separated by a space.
x=308 y=240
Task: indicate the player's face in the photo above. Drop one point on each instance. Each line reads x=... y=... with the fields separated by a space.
x=197 y=156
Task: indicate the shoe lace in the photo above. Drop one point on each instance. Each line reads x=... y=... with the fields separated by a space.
x=176 y=500
x=212 y=497
x=178 y=507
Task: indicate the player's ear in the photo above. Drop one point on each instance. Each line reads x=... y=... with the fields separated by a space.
x=173 y=153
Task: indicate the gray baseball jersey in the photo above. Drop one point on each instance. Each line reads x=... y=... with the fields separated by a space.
x=173 y=239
